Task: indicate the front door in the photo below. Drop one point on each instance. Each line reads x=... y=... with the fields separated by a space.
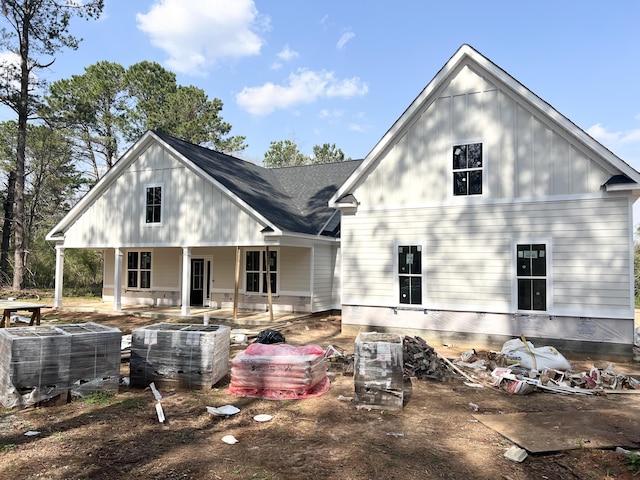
x=197 y=282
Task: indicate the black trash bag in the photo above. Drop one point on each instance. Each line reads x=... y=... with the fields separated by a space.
x=269 y=336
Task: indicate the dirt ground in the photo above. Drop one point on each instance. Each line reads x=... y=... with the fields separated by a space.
x=435 y=435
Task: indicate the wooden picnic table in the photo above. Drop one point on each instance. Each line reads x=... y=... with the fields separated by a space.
x=9 y=306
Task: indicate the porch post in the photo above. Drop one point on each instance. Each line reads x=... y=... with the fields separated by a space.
x=57 y=294
x=117 y=281
x=236 y=284
x=186 y=280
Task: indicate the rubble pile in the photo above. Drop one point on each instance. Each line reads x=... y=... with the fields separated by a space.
x=421 y=360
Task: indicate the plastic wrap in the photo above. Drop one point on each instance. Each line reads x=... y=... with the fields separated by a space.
x=178 y=355
x=39 y=363
x=279 y=371
x=378 y=371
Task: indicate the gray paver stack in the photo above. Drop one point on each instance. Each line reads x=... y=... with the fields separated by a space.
x=179 y=355
x=39 y=363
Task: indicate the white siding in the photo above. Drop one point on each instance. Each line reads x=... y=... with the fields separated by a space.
x=324 y=267
x=523 y=156
x=468 y=258
x=295 y=271
x=195 y=212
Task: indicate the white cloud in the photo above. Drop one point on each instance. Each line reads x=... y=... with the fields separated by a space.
x=196 y=33
x=286 y=54
x=330 y=114
x=302 y=87
x=625 y=143
x=344 y=39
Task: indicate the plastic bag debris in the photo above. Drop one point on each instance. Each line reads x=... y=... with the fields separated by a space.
x=230 y=439
x=263 y=417
x=224 y=411
x=269 y=336
x=521 y=352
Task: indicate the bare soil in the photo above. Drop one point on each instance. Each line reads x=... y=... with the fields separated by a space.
x=435 y=435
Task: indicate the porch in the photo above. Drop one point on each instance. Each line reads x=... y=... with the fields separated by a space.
x=197 y=314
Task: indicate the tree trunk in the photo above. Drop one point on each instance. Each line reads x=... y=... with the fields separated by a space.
x=7 y=226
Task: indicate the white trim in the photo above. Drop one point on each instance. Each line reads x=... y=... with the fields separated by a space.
x=478 y=200
x=548 y=243
x=485 y=176
x=466 y=55
x=423 y=274
x=262 y=250
x=145 y=187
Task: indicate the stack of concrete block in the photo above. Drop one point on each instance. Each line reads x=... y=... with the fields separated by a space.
x=173 y=355
x=94 y=358
x=378 y=371
x=41 y=363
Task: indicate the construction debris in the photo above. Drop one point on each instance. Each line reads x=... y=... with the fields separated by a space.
x=422 y=361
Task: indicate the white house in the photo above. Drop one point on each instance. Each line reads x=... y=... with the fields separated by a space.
x=183 y=225
x=483 y=214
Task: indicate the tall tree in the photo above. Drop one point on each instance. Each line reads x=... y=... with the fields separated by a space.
x=284 y=153
x=159 y=103
x=327 y=153
x=35 y=28
x=90 y=108
x=8 y=132
x=191 y=116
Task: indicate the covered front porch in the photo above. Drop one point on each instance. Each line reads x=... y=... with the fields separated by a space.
x=247 y=318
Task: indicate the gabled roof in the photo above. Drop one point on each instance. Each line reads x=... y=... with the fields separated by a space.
x=291 y=200
x=468 y=55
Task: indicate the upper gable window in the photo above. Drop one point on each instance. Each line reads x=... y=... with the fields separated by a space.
x=153 y=204
x=467 y=169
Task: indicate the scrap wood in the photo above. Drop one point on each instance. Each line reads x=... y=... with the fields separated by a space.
x=456 y=369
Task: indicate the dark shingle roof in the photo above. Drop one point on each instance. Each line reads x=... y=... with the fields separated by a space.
x=294 y=199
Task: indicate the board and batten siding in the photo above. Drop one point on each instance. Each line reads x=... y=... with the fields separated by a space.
x=468 y=262
x=523 y=156
x=195 y=212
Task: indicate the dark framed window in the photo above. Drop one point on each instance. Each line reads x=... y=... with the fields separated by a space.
x=410 y=274
x=531 y=264
x=153 y=204
x=138 y=269
x=467 y=169
x=256 y=271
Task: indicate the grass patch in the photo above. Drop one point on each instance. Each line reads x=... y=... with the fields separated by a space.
x=98 y=398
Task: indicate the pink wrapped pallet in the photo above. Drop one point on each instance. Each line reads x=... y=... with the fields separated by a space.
x=279 y=371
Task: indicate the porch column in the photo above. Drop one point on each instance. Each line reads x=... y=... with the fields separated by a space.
x=57 y=291
x=117 y=281
x=186 y=280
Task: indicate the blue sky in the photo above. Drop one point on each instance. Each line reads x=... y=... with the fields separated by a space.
x=343 y=71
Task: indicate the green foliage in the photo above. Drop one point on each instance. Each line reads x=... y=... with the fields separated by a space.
x=327 y=153
x=283 y=153
x=98 y=398
x=633 y=462
x=7 y=447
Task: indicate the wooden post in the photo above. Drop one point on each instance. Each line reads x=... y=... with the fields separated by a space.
x=236 y=286
x=269 y=285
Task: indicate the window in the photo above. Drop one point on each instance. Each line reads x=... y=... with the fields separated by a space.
x=467 y=169
x=139 y=270
x=532 y=276
x=153 y=204
x=256 y=271
x=410 y=274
